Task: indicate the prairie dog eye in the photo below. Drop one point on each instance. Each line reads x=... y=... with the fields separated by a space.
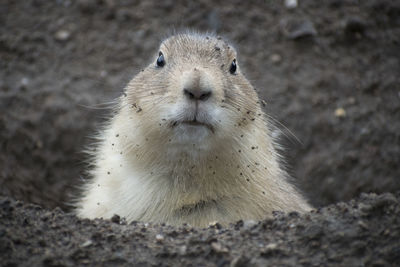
x=160 y=60
x=233 y=67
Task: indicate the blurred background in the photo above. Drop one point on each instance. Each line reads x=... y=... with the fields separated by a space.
x=328 y=70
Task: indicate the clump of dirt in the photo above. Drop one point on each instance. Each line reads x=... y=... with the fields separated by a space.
x=362 y=232
x=329 y=73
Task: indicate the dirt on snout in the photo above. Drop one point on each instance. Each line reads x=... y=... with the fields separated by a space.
x=327 y=70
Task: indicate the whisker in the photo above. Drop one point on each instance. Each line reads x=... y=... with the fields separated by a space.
x=287 y=132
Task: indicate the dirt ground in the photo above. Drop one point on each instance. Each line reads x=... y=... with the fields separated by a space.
x=364 y=232
x=329 y=71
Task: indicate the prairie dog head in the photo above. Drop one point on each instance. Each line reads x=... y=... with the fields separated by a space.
x=189 y=143
x=193 y=95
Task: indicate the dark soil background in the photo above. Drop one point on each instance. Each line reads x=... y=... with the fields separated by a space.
x=328 y=70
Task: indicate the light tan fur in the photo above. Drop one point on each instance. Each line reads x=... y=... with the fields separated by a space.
x=152 y=166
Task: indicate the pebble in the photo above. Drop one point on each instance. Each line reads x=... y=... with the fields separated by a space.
x=182 y=250
x=215 y=224
x=248 y=224
x=159 y=237
x=362 y=225
x=298 y=29
x=62 y=35
x=351 y=100
x=275 y=58
x=87 y=243
x=290 y=4
x=269 y=250
x=271 y=246
x=241 y=261
x=103 y=73
x=24 y=83
x=116 y=218
x=340 y=113
x=217 y=247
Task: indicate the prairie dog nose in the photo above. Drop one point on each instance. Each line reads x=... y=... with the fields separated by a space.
x=197 y=85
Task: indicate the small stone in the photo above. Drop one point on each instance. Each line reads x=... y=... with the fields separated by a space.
x=241 y=261
x=24 y=82
x=271 y=246
x=182 y=250
x=290 y=4
x=275 y=58
x=298 y=29
x=116 y=218
x=362 y=225
x=340 y=113
x=351 y=100
x=269 y=250
x=217 y=247
x=386 y=232
x=248 y=224
x=159 y=238
x=87 y=243
x=62 y=35
x=215 y=224
x=103 y=74
x=39 y=144
x=123 y=221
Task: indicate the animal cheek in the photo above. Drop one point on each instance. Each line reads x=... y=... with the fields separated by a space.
x=222 y=118
x=171 y=109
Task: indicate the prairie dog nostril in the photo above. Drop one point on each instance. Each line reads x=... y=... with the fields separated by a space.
x=188 y=93
x=197 y=94
x=205 y=96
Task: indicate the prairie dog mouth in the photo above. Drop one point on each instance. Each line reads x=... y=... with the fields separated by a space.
x=194 y=123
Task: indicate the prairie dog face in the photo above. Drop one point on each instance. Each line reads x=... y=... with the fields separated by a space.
x=194 y=93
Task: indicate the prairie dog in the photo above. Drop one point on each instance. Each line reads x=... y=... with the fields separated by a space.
x=189 y=143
